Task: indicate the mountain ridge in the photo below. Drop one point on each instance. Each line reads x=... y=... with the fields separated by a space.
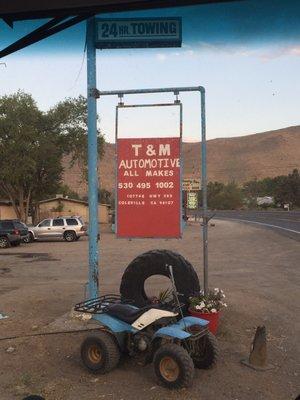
x=239 y=159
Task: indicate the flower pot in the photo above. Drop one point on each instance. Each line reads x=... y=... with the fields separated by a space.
x=213 y=319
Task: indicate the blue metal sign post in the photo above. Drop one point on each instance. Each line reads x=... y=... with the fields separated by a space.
x=93 y=283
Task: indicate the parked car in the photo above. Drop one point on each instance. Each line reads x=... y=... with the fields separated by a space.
x=24 y=232
x=67 y=228
x=11 y=232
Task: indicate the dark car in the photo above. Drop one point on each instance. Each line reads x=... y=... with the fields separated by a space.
x=11 y=233
x=24 y=232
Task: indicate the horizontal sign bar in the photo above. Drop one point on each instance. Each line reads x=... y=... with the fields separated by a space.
x=138 y=33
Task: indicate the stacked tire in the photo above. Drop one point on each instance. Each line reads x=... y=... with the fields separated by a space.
x=156 y=262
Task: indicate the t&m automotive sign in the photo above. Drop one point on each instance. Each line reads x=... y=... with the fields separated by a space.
x=148 y=188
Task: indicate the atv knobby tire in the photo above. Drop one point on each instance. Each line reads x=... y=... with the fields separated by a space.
x=155 y=262
x=100 y=353
x=208 y=353
x=173 y=366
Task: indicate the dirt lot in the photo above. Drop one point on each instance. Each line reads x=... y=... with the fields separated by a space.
x=257 y=268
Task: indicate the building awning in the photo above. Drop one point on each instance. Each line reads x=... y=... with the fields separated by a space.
x=66 y=13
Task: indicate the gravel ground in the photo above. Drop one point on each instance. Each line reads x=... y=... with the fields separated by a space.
x=258 y=269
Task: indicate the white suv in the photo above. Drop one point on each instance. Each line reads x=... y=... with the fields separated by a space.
x=67 y=228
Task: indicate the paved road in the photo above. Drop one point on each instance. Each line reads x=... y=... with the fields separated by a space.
x=285 y=222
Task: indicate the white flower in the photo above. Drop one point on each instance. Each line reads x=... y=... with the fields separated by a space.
x=202 y=304
x=216 y=289
x=224 y=305
x=213 y=310
x=197 y=307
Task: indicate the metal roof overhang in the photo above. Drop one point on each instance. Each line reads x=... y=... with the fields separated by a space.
x=66 y=13
x=31 y=9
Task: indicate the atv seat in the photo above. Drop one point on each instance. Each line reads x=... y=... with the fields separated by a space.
x=128 y=313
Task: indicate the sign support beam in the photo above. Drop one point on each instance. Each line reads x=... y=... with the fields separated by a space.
x=176 y=91
x=92 y=160
x=204 y=193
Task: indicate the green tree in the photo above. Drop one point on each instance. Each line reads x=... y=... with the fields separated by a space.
x=104 y=196
x=252 y=189
x=22 y=142
x=231 y=197
x=32 y=144
x=224 y=197
x=67 y=192
x=284 y=189
x=288 y=189
x=69 y=120
x=213 y=191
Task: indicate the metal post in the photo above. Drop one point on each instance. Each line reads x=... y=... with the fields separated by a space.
x=204 y=192
x=181 y=169
x=92 y=159
x=116 y=169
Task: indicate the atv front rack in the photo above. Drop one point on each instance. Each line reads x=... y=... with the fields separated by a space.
x=99 y=305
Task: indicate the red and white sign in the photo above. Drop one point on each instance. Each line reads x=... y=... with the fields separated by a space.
x=148 y=188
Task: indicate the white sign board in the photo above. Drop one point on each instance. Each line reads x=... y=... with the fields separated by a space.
x=189 y=184
x=138 y=33
x=192 y=200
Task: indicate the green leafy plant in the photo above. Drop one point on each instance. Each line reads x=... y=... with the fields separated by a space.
x=165 y=295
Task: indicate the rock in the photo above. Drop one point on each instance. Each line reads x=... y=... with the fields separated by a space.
x=81 y=316
x=10 y=349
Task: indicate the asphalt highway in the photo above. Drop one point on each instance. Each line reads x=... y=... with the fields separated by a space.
x=284 y=222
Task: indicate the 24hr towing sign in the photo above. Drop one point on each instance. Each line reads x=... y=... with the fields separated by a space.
x=148 y=191
x=138 y=33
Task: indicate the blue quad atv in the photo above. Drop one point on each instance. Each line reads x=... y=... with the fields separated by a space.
x=155 y=332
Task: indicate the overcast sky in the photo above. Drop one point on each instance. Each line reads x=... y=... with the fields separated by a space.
x=247 y=55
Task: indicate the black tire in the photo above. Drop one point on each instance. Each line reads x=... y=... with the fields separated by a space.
x=100 y=354
x=70 y=236
x=31 y=237
x=208 y=352
x=173 y=366
x=4 y=242
x=77 y=238
x=154 y=263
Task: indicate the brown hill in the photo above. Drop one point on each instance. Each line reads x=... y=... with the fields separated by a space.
x=230 y=159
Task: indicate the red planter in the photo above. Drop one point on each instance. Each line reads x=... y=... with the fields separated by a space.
x=213 y=319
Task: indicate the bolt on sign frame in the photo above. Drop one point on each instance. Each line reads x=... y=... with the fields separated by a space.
x=92 y=94
x=121 y=105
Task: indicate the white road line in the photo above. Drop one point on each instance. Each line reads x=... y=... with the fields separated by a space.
x=261 y=223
